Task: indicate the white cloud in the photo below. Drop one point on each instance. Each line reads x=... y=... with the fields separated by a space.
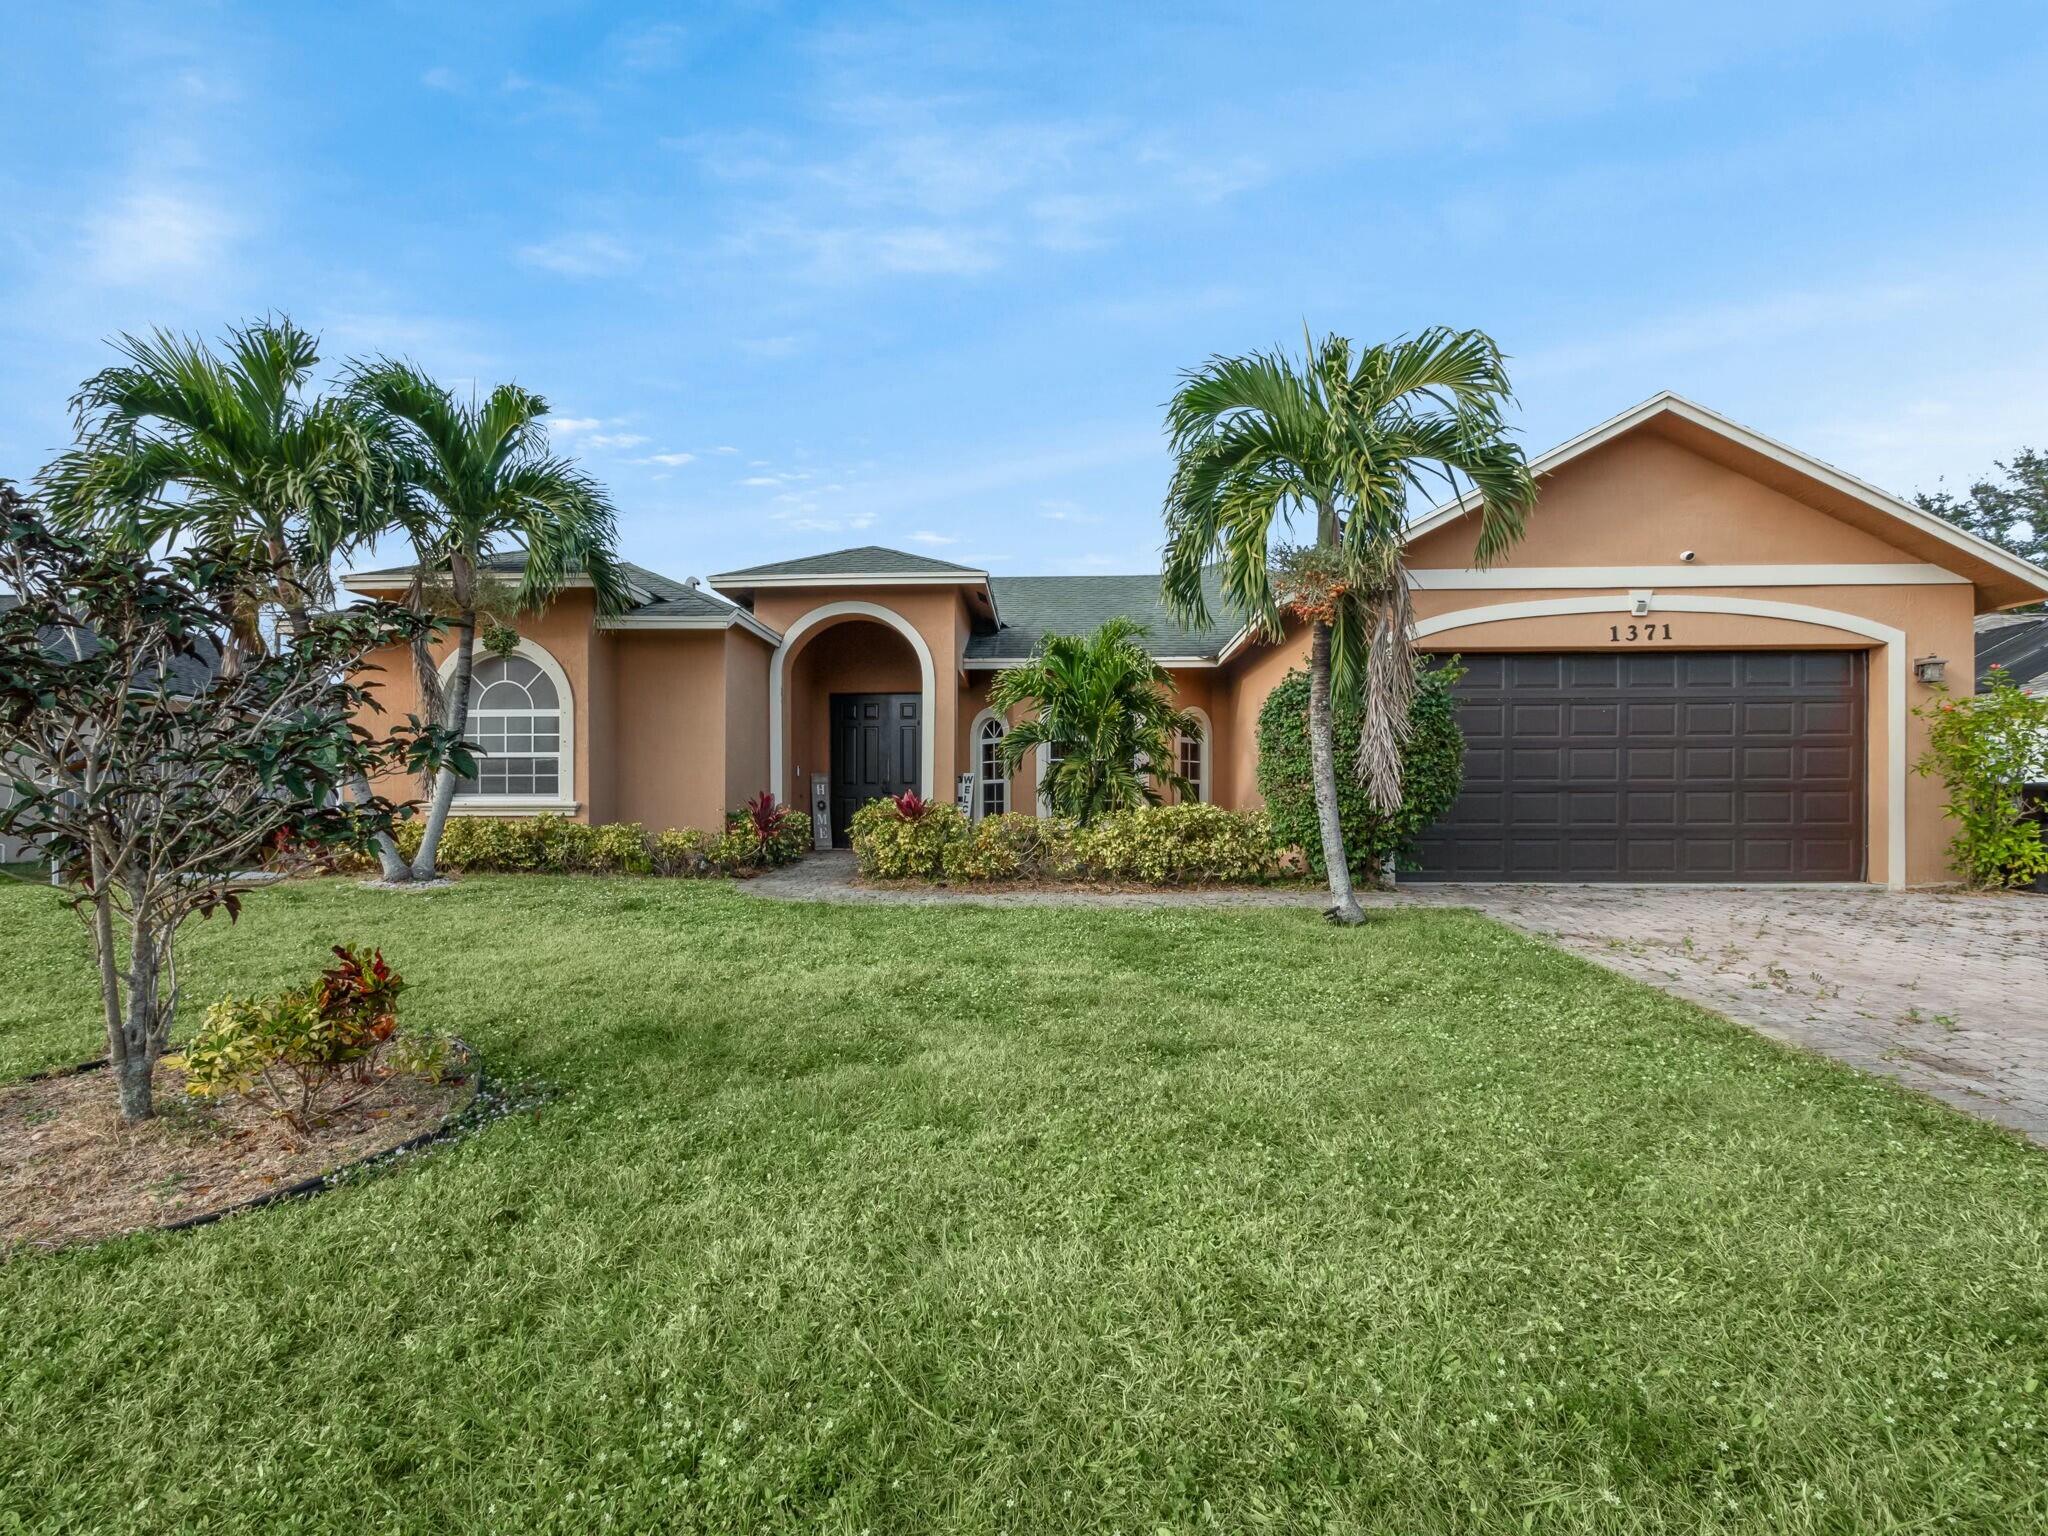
x=672 y=460
x=932 y=538
x=650 y=48
x=568 y=426
x=768 y=346
x=615 y=439
x=585 y=254
x=441 y=78
x=762 y=480
x=725 y=448
x=150 y=235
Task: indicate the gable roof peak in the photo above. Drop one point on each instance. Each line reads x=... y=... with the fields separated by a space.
x=860 y=560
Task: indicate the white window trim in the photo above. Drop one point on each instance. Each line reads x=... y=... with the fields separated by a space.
x=974 y=760
x=564 y=803
x=778 y=690
x=1895 y=662
x=1043 y=766
x=1208 y=754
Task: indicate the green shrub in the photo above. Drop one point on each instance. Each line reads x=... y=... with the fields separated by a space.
x=1017 y=846
x=1187 y=844
x=682 y=853
x=905 y=838
x=619 y=848
x=1987 y=749
x=1432 y=772
x=556 y=845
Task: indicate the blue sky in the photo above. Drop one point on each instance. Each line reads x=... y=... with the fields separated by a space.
x=797 y=277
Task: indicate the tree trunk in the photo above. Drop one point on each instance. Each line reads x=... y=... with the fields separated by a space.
x=131 y=1069
x=389 y=859
x=299 y=620
x=423 y=866
x=1344 y=907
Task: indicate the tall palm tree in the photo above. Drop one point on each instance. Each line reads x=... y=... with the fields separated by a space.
x=178 y=440
x=227 y=448
x=1103 y=710
x=469 y=481
x=1342 y=439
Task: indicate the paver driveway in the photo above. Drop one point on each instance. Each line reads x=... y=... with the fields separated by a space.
x=1943 y=991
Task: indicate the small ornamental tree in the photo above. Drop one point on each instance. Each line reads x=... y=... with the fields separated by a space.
x=1432 y=771
x=1987 y=749
x=152 y=780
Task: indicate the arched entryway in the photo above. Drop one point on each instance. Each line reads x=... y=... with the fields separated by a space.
x=851 y=699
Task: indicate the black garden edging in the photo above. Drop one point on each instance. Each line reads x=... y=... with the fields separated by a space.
x=496 y=1102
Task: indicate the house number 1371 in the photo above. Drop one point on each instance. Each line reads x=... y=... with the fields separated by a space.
x=1624 y=632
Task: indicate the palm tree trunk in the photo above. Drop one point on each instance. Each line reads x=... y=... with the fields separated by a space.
x=389 y=859
x=1344 y=907
x=423 y=866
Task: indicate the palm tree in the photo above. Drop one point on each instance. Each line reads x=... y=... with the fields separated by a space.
x=176 y=440
x=1344 y=437
x=470 y=481
x=1103 y=711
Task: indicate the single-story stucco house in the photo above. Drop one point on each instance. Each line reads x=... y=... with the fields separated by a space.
x=1699 y=665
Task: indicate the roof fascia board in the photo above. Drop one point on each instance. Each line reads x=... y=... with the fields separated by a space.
x=1006 y=663
x=1912 y=573
x=740 y=581
x=738 y=618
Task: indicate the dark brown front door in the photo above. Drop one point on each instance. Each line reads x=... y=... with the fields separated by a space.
x=1657 y=766
x=874 y=752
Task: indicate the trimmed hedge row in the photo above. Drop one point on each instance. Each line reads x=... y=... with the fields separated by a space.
x=556 y=845
x=1151 y=845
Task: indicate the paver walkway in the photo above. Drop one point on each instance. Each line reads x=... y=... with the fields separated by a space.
x=1945 y=992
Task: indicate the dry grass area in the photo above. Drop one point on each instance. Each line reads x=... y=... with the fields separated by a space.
x=71 y=1171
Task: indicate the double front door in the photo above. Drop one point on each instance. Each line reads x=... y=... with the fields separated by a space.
x=874 y=752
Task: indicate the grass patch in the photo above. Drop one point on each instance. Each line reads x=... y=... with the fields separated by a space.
x=1058 y=1219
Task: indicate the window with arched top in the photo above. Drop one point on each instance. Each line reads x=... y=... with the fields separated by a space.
x=1192 y=749
x=515 y=721
x=991 y=778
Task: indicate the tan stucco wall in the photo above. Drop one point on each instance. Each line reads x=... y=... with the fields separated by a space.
x=667 y=732
x=746 y=716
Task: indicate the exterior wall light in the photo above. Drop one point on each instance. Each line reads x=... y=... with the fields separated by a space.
x=1930 y=669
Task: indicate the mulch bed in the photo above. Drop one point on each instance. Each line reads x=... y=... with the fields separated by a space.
x=72 y=1172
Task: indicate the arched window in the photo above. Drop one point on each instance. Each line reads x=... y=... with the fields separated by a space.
x=515 y=718
x=991 y=778
x=1193 y=751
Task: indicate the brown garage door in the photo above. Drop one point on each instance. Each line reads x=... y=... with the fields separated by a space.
x=1663 y=765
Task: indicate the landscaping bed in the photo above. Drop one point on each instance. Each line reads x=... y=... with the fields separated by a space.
x=72 y=1172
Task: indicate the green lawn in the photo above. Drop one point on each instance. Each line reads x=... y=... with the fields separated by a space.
x=1041 y=1221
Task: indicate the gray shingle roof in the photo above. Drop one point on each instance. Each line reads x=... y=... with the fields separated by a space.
x=2019 y=643
x=1036 y=606
x=867 y=560
x=664 y=597
x=188 y=674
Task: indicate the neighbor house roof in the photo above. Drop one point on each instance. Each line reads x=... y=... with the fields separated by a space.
x=657 y=601
x=840 y=564
x=1036 y=606
x=2018 y=642
x=188 y=674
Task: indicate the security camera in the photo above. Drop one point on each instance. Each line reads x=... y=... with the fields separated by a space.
x=1690 y=555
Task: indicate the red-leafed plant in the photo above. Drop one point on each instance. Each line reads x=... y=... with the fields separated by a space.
x=768 y=816
x=911 y=806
